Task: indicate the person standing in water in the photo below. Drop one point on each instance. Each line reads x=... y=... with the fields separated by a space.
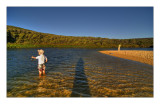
x=42 y=59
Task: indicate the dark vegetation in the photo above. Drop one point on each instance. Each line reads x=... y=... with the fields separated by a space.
x=23 y=38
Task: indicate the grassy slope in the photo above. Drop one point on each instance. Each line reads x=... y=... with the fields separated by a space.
x=23 y=38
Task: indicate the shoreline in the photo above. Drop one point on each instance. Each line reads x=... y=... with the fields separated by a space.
x=135 y=55
x=17 y=45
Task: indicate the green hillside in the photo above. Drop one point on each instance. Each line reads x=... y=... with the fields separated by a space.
x=23 y=38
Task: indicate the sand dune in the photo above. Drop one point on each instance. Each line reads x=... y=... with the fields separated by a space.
x=136 y=55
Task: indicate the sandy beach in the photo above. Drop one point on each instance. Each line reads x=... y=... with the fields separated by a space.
x=140 y=56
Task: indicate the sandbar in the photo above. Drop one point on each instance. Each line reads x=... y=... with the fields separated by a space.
x=136 y=55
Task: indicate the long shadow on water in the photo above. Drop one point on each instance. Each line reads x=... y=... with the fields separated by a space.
x=80 y=87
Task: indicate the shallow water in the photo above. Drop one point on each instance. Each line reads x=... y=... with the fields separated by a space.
x=77 y=73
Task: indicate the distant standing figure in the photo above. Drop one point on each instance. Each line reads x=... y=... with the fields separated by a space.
x=119 y=46
x=42 y=59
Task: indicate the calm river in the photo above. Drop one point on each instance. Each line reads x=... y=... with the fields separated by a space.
x=77 y=73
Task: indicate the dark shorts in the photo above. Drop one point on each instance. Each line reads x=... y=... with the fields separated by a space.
x=41 y=67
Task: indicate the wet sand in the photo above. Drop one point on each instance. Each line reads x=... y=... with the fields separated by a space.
x=140 y=56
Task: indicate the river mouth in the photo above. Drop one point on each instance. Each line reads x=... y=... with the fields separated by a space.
x=76 y=73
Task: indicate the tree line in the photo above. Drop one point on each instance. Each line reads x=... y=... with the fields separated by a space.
x=22 y=38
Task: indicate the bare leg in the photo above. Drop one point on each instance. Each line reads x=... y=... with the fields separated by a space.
x=44 y=70
x=40 y=73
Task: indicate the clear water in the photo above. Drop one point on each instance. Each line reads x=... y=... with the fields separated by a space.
x=77 y=73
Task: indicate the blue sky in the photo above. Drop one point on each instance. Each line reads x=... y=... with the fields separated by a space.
x=106 y=22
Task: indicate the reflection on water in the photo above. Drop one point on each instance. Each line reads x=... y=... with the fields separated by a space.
x=76 y=73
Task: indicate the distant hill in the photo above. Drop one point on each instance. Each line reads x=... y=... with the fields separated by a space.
x=22 y=38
